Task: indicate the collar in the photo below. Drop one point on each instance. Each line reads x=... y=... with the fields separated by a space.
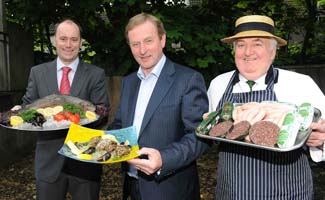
x=266 y=77
x=259 y=81
x=73 y=65
x=155 y=71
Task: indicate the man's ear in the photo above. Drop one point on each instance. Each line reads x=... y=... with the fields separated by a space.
x=163 y=40
x=53 y=41
x=273 y=53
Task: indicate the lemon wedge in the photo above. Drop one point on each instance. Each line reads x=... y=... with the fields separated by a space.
x=90 y=115
x=48 y=112
x=84 y=156
x=110 y=137
x=57 y=109
x=74 y=149
x=40 y=110
x=16 y=120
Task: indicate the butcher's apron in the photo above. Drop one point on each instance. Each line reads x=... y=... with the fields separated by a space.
x=246 y=173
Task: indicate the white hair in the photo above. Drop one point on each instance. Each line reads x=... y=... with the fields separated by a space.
x=273 y=44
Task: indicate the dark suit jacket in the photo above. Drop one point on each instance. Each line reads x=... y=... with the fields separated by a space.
x=89 y=83
x=173 y=112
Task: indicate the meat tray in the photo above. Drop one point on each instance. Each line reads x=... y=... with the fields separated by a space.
x=300 y=140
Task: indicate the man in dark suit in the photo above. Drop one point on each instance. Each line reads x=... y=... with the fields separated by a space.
x=165 y=102
x=56 y=175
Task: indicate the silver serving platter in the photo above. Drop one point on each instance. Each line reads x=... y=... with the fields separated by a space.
x=45 y=129
x=50 y=125
x=300 y=140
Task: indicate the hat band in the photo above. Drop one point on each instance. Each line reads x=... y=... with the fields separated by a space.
x=254 y=26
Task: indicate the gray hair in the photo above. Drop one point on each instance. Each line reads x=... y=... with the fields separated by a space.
x=273 y=44
x=142 y=18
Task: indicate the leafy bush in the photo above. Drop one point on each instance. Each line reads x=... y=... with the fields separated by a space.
x=193 y=33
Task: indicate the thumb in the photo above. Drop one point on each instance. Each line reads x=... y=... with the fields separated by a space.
x=143 y=151
x=205 y=115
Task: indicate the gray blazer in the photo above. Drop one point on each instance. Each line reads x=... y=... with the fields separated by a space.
x=174 y=110
x=89 y=83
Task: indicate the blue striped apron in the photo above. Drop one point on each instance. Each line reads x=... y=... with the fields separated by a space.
x=246 y=173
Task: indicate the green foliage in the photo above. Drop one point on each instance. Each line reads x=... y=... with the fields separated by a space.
x=193 y=33
x=28 y=115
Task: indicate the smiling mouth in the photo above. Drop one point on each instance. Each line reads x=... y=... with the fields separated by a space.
x=145 y=57
x=249 y=60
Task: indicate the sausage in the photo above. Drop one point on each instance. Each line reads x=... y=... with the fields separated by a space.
x=259 y=116
x=251 y=113
x=264 y=133
x=244 y=115
x=249 y=105
x=281 y=119
x=236 y=113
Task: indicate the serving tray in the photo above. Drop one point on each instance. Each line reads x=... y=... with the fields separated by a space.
x=82 y=134
x=302 y=137
x=50 y=124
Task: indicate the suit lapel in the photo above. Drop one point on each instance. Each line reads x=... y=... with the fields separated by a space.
x=134 y=91
x=51 y=78
x=163 y=84
x=79 y=79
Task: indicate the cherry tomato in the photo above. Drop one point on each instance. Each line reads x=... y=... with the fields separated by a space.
x=74 y=119
x=59 y=117
x=77 y=114
x=68 y=114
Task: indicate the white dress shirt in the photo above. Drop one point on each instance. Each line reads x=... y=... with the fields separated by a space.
x=291 y=87
x=59 y=71
x=147 y=86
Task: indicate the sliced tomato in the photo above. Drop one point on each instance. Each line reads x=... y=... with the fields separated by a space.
x=74 y=118
x=60 y=117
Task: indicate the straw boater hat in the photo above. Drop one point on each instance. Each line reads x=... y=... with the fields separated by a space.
x=254 y=26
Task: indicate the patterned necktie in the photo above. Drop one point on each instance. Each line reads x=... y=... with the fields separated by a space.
x=65 y=84
x=250 y=84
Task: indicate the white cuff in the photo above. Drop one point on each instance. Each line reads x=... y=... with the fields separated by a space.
x=317 y=155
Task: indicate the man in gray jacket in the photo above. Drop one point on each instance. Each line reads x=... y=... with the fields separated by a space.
x=55 y=174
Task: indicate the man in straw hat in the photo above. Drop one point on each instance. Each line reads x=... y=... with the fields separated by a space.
x=251 y=173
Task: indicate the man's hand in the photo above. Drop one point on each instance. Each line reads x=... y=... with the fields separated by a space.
x=317 y=136
x=16 y=108
x=205 y=115
x=150 y=165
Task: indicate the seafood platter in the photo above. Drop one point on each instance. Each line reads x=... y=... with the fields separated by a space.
x=53 y=112
x=98 y=146
x=270 y=125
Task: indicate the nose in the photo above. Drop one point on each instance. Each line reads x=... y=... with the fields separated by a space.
x=248 y=50
x=68 y=43
x=143 y=48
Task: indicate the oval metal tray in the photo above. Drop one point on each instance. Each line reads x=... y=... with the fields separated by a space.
x=42 y=129
x=300 y=140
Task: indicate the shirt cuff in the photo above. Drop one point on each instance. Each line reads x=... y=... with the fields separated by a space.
x=317 y=155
